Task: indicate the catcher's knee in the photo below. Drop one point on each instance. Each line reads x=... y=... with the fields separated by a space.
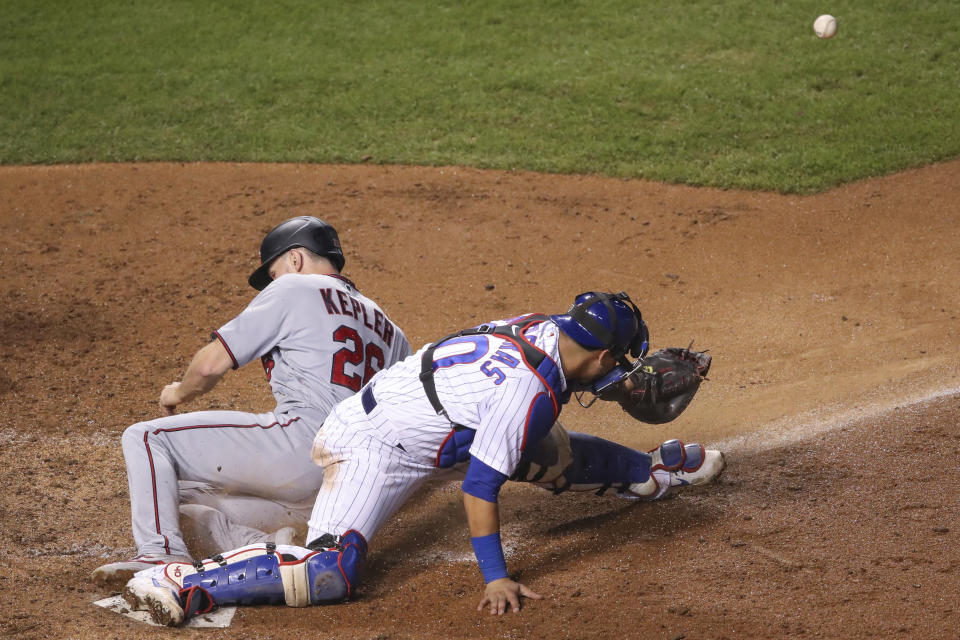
x=330 y=575
x=547 y=461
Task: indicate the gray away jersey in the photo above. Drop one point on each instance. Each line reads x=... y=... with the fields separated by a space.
x=319 y=340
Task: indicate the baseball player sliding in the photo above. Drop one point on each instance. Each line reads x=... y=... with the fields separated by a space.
x=487 y=397
x=319 y=340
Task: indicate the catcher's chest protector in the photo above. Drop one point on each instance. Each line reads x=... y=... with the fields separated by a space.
x=545 y=410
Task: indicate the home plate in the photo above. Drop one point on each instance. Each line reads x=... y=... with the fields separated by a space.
x=219 y=618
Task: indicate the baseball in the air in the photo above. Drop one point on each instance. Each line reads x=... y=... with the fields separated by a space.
x=825 y=26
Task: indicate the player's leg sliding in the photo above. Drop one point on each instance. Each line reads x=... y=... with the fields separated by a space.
x=208 y=531
x=599 y=465
x=115 y=574
x=326 y=572
x=209 y=528
x=153 y=547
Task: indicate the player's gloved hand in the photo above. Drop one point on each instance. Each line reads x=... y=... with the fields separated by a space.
x=500 y=593
x=662 y=387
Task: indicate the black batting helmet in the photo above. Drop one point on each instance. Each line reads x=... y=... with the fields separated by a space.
x=303 y=231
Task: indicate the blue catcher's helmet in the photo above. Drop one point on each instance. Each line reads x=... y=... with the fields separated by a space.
x=606 y=321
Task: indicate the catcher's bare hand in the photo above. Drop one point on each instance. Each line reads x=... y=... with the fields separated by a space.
x=169 y=399
x=500 y=593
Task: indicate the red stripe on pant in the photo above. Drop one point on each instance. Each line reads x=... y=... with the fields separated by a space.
x=153 y=475
x=153 y=483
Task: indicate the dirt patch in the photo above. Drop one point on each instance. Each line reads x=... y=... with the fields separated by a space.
x=831 y=319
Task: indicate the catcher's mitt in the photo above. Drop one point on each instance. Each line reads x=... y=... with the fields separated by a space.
x=663 y=386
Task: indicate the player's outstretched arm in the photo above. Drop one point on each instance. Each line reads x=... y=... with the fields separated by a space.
x=501 y=592
x=207 y=368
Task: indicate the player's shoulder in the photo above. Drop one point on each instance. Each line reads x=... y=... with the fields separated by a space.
x=537 y=330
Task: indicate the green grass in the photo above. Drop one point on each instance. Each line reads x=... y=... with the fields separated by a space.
x=727 y=93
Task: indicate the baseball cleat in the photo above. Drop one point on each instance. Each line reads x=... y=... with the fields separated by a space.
x=683 y=466
x=709 y=469
x=655 y=488
x=146 y=594
x=116 y=574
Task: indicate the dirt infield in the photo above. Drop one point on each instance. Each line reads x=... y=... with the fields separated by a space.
x=835 y=390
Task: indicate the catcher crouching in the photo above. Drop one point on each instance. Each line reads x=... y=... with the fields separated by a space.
x=487 y=400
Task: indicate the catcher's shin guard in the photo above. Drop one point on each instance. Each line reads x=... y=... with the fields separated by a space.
x=325 y=572
x=329 y=574
x=251 y=581
x=600 y=464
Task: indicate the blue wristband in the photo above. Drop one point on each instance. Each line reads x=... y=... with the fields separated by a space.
x=490 y=558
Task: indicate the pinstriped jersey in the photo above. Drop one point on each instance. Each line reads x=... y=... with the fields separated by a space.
x=318 y=338
x=483 y=384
